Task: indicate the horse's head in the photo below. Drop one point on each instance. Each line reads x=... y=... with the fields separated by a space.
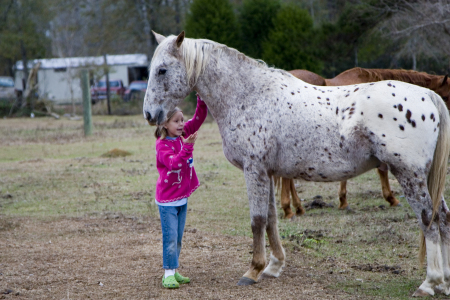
x=167 y=81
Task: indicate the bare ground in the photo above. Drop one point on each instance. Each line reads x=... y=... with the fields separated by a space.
x=117 y=257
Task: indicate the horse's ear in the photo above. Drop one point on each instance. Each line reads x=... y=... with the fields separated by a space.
x=444 y=82
x=159 y=38
x=180 y=39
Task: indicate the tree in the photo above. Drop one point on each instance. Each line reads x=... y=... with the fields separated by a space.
x=422 y=28
x=23 y=25
x=292 y=43
x=214 y=20
x=256 y=20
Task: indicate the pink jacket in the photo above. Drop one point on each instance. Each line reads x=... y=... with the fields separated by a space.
x=174 y=161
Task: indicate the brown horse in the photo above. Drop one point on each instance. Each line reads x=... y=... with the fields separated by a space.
x=439 y=84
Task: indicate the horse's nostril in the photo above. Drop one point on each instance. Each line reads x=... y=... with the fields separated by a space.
x=147 y=116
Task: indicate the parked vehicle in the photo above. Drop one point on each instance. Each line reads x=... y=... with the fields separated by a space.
x=98 y=91
x=135 y=90
x=7 y=90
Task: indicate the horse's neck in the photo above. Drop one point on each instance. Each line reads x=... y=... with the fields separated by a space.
x=224 y=86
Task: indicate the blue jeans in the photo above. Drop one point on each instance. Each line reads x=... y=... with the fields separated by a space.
x=173 y=219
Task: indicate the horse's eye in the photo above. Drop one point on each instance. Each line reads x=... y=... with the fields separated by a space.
x=162 y=71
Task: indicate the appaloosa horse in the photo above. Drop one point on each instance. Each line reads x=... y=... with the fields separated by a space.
x=439 y=84
x=271 y=123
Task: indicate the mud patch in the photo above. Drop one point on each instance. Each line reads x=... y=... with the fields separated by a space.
x=378 y=268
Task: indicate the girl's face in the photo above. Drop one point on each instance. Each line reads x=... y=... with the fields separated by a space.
x=175 y=125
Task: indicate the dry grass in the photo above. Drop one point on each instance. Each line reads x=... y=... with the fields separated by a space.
x=99 y=214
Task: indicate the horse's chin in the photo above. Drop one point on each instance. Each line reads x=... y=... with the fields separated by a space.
x=151 y=123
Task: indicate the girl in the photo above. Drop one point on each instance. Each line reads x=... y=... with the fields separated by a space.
x=177 y=181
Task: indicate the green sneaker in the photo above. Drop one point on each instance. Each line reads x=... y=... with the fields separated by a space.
x=170 y=282
x=181 y=279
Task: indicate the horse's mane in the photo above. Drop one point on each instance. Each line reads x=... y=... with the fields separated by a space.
x=418 y=78
x=197 y=53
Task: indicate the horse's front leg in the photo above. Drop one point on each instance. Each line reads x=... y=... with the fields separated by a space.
x=385 y=187
x=277 y=258
x=343 y=204
x=258 y=191
x=285 y=199
x=299 y=210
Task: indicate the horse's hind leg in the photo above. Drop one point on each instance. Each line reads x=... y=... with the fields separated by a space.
x=299 y=210
x=277 y=257
x=343 y=195
x=285 y=199
x=385 y=187
x=415 y=188
x=444 y=229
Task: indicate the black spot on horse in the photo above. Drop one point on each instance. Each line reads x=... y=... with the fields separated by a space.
x=362 y=113
x=408 y=116
x=368 y=97
x=380 y=116
x=413 y=123
x=423 y=117
x=395 y=119
x=393 y=94
x=243 y=107
x=425 y=219
x=395 y=106
x=383 y=135
x=401 y=127
x=432 y=116
x=292 y=93
x=400 y=107
x=356 y=89
x=423 y=99
x=337 y=110
x=389 y=84
x=383 y=144
x=405 y=99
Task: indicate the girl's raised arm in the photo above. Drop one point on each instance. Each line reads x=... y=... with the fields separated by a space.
x=197 y=120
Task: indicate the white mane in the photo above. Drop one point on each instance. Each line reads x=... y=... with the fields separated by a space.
x=197 y=54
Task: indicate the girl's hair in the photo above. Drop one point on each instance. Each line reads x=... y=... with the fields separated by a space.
x=161 y=132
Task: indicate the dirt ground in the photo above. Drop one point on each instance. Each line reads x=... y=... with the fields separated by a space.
x=116 y=257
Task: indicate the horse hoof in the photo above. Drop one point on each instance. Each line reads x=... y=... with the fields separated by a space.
x=420 y=293
x=246 y=281
x=266 y=276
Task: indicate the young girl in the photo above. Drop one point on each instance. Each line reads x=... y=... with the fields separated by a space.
x=177 y=181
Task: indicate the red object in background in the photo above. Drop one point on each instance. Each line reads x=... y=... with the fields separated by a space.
x=135 y=89
x=98 y=91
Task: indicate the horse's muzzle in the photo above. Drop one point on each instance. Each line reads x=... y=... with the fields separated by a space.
x=157 y=119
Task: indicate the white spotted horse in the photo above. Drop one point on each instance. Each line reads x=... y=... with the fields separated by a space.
x=273 y=124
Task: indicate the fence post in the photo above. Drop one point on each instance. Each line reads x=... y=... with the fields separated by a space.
x=87 y=114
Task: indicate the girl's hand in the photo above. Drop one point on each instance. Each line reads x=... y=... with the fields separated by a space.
x=190 y=139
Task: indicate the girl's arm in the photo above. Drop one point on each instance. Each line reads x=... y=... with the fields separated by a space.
x=166 y=155
x=197 y=120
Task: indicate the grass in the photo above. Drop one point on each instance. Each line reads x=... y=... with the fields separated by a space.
x=48 y=170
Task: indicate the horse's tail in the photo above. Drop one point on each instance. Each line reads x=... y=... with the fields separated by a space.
x=438 y=171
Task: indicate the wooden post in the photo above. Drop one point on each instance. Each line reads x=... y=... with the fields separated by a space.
x=107 y=85
x=87 y=114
